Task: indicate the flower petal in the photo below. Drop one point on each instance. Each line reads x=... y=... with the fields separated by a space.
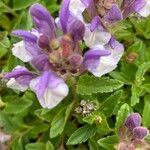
x=106 y=63
x=92 y=57
x=30 y=41
x=19 y=78
x=21 y=52
x=114 y=14
x=95 y=23
x=96 y=38
x=50 y=89
x=13 y=84
x=132 y=6
x=76 y=28
x=64 y=14
x=76 y=8
x=41 y=62
x=43 y=21
x=145 y=11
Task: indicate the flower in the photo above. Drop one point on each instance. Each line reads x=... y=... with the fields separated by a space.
x=19 y=78
x=103 y=60
x=103 y=57
x=53 y=49
x=52 y=55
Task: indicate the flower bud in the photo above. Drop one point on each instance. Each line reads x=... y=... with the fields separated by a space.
x=78 y=110
x=67 y=45
x=43 y=42
x=122 y=146
x=132 y=56
x=134 y=120
x=76 y=60
x=140 y=132
x=54 y=57
x=55 y=44
x=83 y=103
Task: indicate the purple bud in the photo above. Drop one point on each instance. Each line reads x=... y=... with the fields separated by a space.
x=43 y=42
x=76 y=60
x=134 y=120
x=140 y=132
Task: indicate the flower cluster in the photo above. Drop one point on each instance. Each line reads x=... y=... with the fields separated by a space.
x=132 y=134
x=85 y=108
x=53 y=46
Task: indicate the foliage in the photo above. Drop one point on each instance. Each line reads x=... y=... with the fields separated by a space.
x=125 y=90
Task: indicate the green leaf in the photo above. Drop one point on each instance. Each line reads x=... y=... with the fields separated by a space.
x=37 y=127
x=35 y=146
x=110 y=103
x=122 y=115
x=59 y=121
x=109 y=142
x=17 y=144
x=135 y=97
x=24 y=21
x=141 y=71
x=16 y=105
x=146 y=111
x=82 y=134
x=49 y=146
x=92 y=118
x=88 y=85
x=4 y=43
x=10 y=123
x=146 y=87
x=18 y=5
x=12 y=63
x=93 y=145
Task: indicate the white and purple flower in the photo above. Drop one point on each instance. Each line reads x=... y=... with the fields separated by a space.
x=105 y=59
x=55 y=56
x=19 y=78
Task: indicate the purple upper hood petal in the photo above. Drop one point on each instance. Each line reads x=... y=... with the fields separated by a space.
x=91 y=58
x=64 y=14
x=114 y=14
x=76 y=28
x=30 y=41
x=43 y=21
x=132 y=6
x=26 y=35
x=21 y=74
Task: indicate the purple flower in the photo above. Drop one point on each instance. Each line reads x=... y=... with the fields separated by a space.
x=51 y=55
x=19 y=78
x=140 y=132
x=133 y=121
x=49 y=88
x=39 y=44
